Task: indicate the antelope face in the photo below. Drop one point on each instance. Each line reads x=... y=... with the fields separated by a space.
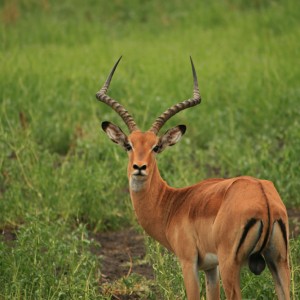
x=142 y=148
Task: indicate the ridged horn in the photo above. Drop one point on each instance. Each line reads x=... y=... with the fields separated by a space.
x=122 y=112
x=163 y=118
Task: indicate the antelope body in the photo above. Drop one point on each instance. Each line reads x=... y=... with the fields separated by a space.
x=216 y=225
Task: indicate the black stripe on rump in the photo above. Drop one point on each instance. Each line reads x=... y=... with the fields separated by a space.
x=268 y=228
x=248 y=226
x=283 y=231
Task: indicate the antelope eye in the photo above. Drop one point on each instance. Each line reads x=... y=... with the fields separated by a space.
x=128 y=147
x=156 y=148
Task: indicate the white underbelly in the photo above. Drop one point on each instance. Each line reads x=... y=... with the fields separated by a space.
x=209 y=261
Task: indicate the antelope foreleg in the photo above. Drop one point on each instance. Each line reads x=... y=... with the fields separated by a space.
x=190 y=277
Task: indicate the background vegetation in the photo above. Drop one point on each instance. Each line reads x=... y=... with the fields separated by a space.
x=61 y=178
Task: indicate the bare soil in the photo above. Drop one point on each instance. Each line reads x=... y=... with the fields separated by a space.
x=123 y=252
x=294 y=222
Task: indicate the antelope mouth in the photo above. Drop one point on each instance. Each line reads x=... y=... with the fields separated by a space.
x=139 y=174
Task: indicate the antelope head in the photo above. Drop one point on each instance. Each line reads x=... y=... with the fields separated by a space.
x=142 y=147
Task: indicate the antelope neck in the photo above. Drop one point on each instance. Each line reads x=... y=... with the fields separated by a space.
x=148 y=204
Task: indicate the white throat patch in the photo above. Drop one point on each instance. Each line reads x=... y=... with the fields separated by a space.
x=136 y=185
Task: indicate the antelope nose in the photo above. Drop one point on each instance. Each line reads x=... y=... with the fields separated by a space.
x=140 y=168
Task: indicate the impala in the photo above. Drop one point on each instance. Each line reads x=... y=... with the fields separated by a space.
x=216 y=225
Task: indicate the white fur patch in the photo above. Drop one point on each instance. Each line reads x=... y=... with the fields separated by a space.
x=136 y=185
x=210 y=261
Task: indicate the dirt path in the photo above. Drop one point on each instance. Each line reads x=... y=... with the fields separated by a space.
x=123 y=252
x=294 y=222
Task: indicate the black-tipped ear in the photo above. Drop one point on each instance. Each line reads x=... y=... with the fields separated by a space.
x=171 y=137
x=182 y=129
x=104 y=125
x=115 y=133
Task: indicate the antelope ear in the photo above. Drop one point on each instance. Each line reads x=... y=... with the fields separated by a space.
x=171 y=137
x=116 y=134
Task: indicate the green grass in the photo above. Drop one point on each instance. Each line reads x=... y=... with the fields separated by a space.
x=49 y=261
x=54 y=56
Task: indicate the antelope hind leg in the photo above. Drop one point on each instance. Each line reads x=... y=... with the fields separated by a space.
x=276 y=256
x=212 y=284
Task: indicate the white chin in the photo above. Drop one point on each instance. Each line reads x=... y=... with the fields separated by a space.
x=137 y=183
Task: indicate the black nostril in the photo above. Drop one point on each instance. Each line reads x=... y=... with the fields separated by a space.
x=140 y=168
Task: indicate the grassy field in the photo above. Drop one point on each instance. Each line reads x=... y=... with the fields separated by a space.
x=62 y=179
